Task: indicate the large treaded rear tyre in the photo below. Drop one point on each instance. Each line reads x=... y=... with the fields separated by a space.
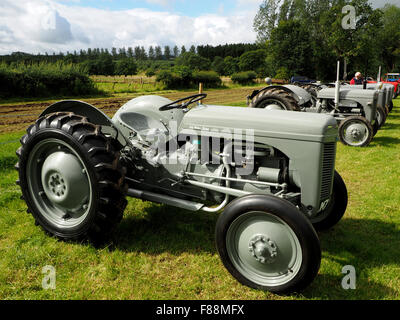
x=276 y=97
x=71 y=178
x=266 y=243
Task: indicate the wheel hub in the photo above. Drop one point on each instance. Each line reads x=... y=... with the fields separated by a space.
x=355 y=132
x=263 y=249
x=64 y=181
x=57 y=184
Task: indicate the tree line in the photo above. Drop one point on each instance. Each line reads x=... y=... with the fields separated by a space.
x=294 y=37
x=129 y=61
x=307 y=37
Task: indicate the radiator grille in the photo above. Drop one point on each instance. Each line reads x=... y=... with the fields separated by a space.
x=328 y=168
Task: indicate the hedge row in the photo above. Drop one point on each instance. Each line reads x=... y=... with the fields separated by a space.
x=184 y=77
x=44 y=80
x=245 y=77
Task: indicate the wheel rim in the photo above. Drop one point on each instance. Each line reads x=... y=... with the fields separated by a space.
x=59 y=183
x=355 y=132
x=273 y=104
x=379 y=118
x=264 y=249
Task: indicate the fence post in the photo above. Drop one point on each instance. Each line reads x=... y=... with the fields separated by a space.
x=201 y=91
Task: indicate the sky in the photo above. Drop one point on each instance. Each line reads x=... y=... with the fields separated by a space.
x=39 y=26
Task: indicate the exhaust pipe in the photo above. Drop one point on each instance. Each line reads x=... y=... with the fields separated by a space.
x=337 y=86
x=164 y=199
x=378 y=79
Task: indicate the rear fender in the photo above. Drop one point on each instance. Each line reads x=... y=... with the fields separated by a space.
x=299 y=94
x=93 y=115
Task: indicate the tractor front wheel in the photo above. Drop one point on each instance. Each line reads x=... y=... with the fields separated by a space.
x=267 y=243
x=71 y=178
x=355 y=131
x=380 y=120
x=390 y=107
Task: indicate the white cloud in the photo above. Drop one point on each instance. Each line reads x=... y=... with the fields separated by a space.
x=381 y=3
x=44 y=24
x=161 y=2
x=47 y=26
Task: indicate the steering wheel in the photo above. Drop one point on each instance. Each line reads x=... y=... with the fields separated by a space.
x=190 y=100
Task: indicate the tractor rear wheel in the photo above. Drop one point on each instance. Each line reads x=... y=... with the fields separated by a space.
x=266 y=243
x=355 y=131
x=274 y=99
x=71 y=178
x=336 y=208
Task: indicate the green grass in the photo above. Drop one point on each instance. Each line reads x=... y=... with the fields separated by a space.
x=160 y=252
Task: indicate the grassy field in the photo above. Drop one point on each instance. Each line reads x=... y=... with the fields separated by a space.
x=141 y=84
x=160 y=252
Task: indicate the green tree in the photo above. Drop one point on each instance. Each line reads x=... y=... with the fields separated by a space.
x=290 y=47
x=167 y=52
x=253 y=61
x=389 y=38
x=130 y=53
x=122 y=53
x=266 y=19
x=193 y=61
x=105 y=65
x=183 y=50
x=158 y=53
x=126 y=67
x=218 y=66
x=231 y=65
x=138 y=53
x=176 y=51
x=151 y=53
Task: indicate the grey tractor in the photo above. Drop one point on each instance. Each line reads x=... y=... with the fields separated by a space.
x=354 y=109
x=270 y=175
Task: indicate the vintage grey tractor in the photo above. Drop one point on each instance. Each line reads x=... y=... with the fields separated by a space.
x=383 y=101
x=385 y=96
x=270 y=174
x=354 y=109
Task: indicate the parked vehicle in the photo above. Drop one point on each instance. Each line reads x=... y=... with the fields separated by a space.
x=276 y=184
x=354 y=109
x=301 y=79
x=392 y=77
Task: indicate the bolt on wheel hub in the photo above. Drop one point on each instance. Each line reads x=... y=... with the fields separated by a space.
x=57 y=184
x=64 y=181
x=263 y=249
x=355 y=133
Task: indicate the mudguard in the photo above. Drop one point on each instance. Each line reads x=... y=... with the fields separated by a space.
x=93 y=114
x=299 y=94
